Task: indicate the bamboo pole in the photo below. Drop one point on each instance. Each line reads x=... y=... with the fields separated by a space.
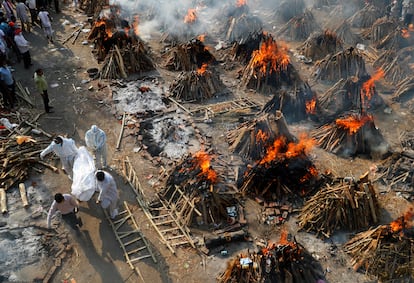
x=3 y=201
x=23 y=195
x=118 y=144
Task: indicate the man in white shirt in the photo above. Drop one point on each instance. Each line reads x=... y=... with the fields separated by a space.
x=95 y=140
x=108 y=192
x=45 y=21
x=23 y=46
x=68 y=206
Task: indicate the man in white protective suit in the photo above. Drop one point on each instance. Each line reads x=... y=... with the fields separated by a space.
x=108 y=192
x=95 y=140
x=66 y=149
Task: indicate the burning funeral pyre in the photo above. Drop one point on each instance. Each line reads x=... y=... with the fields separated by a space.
x=317 y=46
x=300 y=27
x=347 y=205
x=285 y=261
x=243 y=49
x=212 y=202
x=197 y=85
x=385 y=251
x=296 y=104
x=188 y=56
x=269 y=68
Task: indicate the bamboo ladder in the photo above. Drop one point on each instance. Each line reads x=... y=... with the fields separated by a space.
x=133 y=243
x=165 y=219
x=228 y=106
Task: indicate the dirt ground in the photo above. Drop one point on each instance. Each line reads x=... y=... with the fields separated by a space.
x=96 y=255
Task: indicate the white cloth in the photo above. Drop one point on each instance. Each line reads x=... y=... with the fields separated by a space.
x=31 y=4
x=21 y=43
x=21 y=12
x=108 y=194
x=84 y=180
x=44 y=19
x=95 y=140
x=66 y=151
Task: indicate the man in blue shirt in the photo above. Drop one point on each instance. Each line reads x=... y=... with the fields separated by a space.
x=7 y=78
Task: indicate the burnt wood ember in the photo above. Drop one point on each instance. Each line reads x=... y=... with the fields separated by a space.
x=345 y=33
x=251 y=139
x=197 y=85
x=351 y=135
x=385 y=251
x=289 y=9
x=366 y=17
x=242 y=50
x=238 y=27
x=396 y=65
x=341 y=65
x=347 y=205
x=300 y=27
x=317 y=46
x=287 y=261
x=188 y=56
x=296 y=104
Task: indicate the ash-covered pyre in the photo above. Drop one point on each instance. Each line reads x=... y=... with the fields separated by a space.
x=386 y=250
x=317 y=46
x=285 y=261
x=366 y=17
x=288 y=9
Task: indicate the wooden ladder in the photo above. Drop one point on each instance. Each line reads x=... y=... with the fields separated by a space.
x=227 y=106
x=133 y=243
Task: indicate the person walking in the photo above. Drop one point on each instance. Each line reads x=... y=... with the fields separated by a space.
x=41 y=85
x=8 y=8
x=7 y=78
x=66 y=150
x=32 y=5
x=23 y=15
x=108 y=192
x=68 y=206
x=45 y=21
x=23 y=46
x=95 y=139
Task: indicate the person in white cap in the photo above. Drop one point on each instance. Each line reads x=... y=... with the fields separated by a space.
x=95 y=140
x=66 y=149
x=108 y=192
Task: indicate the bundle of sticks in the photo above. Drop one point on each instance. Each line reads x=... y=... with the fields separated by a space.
x=237 y=28
x=384 y=251
x=300 y=27
x=345 y=33
x=365 y=17
x=349 y=205
x=404 y=89
x=343 y=64
x=397 y=65
x=319 y=45
x=197 y=85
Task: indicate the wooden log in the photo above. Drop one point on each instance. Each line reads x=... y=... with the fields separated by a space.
x=3 y=201
x=118 y=144
x=371 y=202
x=23 y=195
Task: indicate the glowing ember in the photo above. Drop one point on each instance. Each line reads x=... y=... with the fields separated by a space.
x=311 y=106
x=368 y=87
x=405 y=33
x=203 y=161
x=201 y=37
x=352 y=123
x=261 y=136
x=403 y=222
x=203 y=69
x=102 y=22
x=270 y=57
x=312 y=172
x=241 y=3
x=191 y=16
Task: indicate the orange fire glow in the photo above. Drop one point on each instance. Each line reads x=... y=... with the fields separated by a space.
x=352 y=123
x=191 y=16
x=369 y=85
x=135 y=25
x=310 y=106
x=403 y=222
x=101 y=22
x=203 y=161
x=312 y=172
x=203 y=69
x=405 y=33
x=261 y=136
x=270 y=57
x=240 y=3
x=201 y=37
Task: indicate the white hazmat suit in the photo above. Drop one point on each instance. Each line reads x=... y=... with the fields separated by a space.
x=95 y=140
x=66 y=151
x=108 y=192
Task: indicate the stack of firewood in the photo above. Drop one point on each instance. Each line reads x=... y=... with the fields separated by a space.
x=385 y=251
x=300 y=27
x=343 y=64
x=242 y=50
x=404 y=89
x=382 y=28
x=238 y=28
x=397 y=66
x=319 y=45
x=349 y=205
x=345 y=33
x=365 y=17
x=289 y=9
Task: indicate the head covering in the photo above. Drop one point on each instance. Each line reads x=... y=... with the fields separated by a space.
x=94 y=128
x=11 y=24
x=17 y=31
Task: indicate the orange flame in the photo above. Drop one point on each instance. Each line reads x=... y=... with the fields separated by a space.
x=201 y=37
x=403 y=222
x=369 y=85
x=203 y=161
x=101 y=22
x=312 y=172
x=405 y=33
x=241 y=3
x=270 y=57
x=191 y=16
x=261 y=136
x=202 y=70
x=310 y=106
x=135 y=24
x=352 y=123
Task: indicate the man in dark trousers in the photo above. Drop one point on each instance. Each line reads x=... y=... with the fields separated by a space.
x=68 y=207
x=41 y=84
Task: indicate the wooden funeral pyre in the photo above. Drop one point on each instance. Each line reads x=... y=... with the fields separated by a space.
x=286 y=261
x=396 y=65
x=188 y=56
x=397 y=38
x=242 y=50
x=269 y=68
x=251 y=139
x=288 y=9
x=347 y=205
x=340 y=65
x=366 y=17
x=93 y=7
x=284 y=172
x=296 y=104
x=345 y=33
x=197 y=85
x=381 y=29
x=385 y=251
x=212 y=202
x=299 y=27
x=350 y=94
x=317 y=46
x=352 y=134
